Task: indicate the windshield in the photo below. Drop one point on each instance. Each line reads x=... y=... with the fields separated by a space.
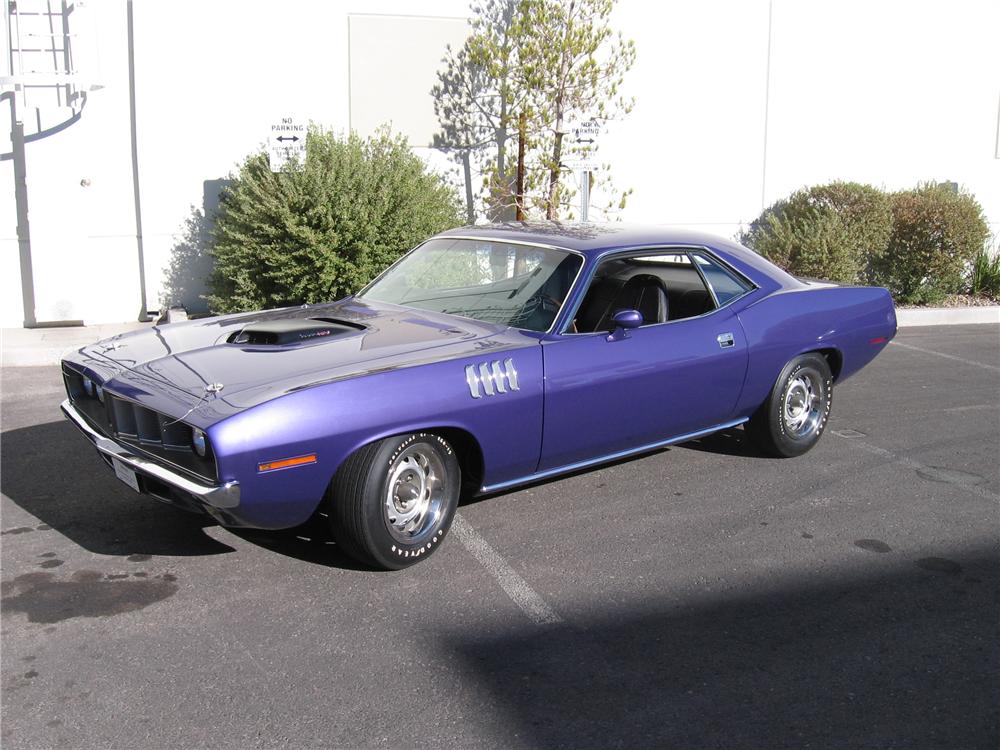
x=515 y=285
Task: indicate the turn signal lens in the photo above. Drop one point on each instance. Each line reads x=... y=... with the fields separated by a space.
x=287 y=463
x=199 y=442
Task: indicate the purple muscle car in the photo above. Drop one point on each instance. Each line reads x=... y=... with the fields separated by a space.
x=486 y=358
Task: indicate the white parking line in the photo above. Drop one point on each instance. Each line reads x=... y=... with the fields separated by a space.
x=909 y=463
x=516 y=588
x=947 y=356
x=971 y=407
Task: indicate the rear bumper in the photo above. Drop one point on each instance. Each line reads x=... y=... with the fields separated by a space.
x=224 y=496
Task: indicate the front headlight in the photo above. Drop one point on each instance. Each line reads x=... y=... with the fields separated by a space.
x=199 y=442
x=88 y=386
x=100 y=392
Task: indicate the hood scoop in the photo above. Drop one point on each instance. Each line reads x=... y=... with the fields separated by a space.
x=291 y=331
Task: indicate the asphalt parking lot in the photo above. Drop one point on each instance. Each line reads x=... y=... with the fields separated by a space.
x=701 y=596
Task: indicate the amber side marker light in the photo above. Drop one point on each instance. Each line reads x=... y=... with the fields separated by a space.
x=286 y=463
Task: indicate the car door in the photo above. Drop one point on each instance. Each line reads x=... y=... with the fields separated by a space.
x=606 y=394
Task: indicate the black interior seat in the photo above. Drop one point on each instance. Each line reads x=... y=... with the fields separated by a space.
x=693 y=302
x=593 y=309
x=643 y=292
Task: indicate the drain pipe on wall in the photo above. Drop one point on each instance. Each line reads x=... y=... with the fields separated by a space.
x=21 y=206
x=767 y=106
x=144 y=308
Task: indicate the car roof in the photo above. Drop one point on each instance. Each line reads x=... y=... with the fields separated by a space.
x=592 y=239
x=587 y=238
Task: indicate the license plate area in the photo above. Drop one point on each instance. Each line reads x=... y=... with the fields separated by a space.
x=124 y=473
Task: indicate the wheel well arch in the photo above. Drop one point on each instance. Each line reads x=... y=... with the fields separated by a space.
x=467 y=450
x=469 y=454
x=835 y=359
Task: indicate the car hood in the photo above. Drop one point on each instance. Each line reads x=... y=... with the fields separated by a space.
x=366 y=337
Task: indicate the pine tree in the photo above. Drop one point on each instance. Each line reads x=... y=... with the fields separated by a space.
x=573 y=65
x=551 y=61
x=476 y=100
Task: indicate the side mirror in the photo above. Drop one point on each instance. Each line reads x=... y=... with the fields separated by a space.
x=623 y=321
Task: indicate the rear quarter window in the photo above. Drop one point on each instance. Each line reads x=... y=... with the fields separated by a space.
x=725 y=284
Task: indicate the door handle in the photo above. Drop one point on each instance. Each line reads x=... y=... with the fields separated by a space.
x=725 y=340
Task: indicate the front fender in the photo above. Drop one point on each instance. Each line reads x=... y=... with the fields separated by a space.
x=335 y=419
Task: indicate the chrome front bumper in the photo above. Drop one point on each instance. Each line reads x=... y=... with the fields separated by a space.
x=218 y=496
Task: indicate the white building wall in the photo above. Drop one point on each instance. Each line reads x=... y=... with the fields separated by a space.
x=212 y=77
x=888 y=92
x=10 y=270
x=80 y=198
x=691 y=148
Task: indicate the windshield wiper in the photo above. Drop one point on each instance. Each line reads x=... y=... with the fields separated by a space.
x=525 y=283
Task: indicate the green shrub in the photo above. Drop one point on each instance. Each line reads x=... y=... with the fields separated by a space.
x=986 y=274
x=834 y=232
x=936 y=235
x=327 y=226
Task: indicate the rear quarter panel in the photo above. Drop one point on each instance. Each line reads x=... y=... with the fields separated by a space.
x=848 y=320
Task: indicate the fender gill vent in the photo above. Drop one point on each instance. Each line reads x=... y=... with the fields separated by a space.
x=282 y=332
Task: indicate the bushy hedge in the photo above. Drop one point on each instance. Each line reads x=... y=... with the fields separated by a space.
x=832 y=232
x=324 y=228
x=937 y=232
x=918 y=243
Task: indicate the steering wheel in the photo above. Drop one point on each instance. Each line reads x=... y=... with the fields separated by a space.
x=540 y=304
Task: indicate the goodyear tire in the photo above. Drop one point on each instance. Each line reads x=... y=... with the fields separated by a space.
x=392 y=501
x=793 y=417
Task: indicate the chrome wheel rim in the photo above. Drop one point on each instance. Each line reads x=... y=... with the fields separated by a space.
x=415 y=494
x=802 y=410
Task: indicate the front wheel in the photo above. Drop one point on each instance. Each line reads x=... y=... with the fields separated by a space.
x=796 y=411
x=393 y=500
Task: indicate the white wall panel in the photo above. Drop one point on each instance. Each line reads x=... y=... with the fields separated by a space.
x=886 y=92
x=393 y=66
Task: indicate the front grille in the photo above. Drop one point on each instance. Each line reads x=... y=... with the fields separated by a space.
x=88 y=404
x=149 y=432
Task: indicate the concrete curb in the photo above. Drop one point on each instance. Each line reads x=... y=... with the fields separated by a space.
x=947 y=316
x=33 y=357
x=39 y=347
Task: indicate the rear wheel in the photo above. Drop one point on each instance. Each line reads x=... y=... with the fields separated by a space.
x=793 y=417
x=393 y=501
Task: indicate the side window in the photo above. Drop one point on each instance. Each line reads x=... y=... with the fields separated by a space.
x=726 y=286
x=663 y=287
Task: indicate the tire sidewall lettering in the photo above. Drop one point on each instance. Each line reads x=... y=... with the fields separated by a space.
x=426 y=437
x=424 y=548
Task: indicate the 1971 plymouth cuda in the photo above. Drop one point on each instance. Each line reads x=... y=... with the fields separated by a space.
x=486 y=358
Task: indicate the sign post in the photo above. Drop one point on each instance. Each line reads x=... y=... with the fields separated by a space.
x=286 y=140
x=585 y=135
